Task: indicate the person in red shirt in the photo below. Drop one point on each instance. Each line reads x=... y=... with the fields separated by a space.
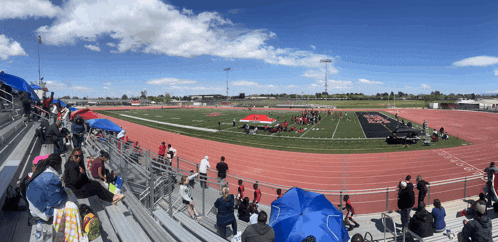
x=350 y=212
x=257 y=194
x=286 y=124
x=240 y=195
x=162 y=150
x=279 y=193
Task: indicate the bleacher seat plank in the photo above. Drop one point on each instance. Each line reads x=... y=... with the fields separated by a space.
x=47 y=149
x=196 y=228
x=139 y=232
x=174 y=227
x=107 y=233
x=11 y=129
x=124 y=229
x=22 y=230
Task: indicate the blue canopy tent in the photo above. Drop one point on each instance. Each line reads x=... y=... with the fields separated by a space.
x=105 y=124
x=18 y=84
x=56 y=100
x=73 y=109
x=299 y=214
x=35 y=87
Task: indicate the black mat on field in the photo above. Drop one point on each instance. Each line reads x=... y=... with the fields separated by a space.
x=375 y=124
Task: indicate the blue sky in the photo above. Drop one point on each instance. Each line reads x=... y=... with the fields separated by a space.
x=104 y=48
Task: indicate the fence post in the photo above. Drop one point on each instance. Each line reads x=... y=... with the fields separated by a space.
x=429 y=195
x=169 y=202
x=178 y=163
x=340 y=201
x=203 y=202
x=151 y=191
x=387 y=199
x=197 y=168
x=465 y=188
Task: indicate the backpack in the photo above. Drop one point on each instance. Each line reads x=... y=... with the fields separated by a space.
x=89 y=162
x=91 y=224
x=15 y=201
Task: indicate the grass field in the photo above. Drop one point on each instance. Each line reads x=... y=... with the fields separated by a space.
x=331 y=135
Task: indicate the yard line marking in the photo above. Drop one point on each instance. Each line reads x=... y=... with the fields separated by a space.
x=336 y=128
x=307 y=131
x=355 y=114
x=170 y=124
x=461 y=160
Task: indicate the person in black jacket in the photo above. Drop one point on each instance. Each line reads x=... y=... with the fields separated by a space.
x=422 y=222
x=406 y=200
x=54 y=136
x=75 y=178
x=78 y=130
x=422 y=190
x=26 y=104
x=479 y=229
x=225 y=214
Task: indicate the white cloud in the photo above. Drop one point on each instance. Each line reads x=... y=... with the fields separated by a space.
x=10 y=48
x=170 y=81
x=425 y=86
x=320 y=73
x=53 y=85
x=234 y=11
x=313 y=47
x=93 y=47
x=496 y=72
x=106 y=87
x=365 y=81
x=81 y=89
x=106 y=83
x=477 y=61
x=244 y=83
x=10 y=61
x=158 y=28
x=493 y=92
x=27 y=8
x=62 y=87
x=111 y=44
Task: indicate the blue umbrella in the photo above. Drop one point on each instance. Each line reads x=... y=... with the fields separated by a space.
x=299 y=213
x=56 y=100
x=105 y=124
x=18 y=84
x=73 y=109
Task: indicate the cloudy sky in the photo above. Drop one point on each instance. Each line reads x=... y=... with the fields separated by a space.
x=103 y=48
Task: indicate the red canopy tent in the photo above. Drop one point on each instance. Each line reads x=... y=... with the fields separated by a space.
x=85 y=113
x=258 y=118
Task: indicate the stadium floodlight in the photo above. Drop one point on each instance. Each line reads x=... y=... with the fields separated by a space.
x=227 y=69
x=326 y=61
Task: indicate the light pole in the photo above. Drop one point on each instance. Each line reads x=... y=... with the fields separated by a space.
x=39 y=74
x=326 y=61
x=227 y=69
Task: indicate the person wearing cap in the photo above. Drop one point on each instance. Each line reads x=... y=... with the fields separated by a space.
x=490 y=171
x=406 y=200
x=54 y=136
x=203 y=171
x=478 y=229
x=35 y=163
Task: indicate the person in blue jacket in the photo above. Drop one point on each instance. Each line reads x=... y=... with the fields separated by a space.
x=225 y=215
x=78 y=130
x=44 y=190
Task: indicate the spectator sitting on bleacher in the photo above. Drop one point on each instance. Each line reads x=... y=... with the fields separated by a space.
x=76 y=179
x=438 y=214
x=44 y=190
x=478 y=229
x=187 y=196
x=78 y=130
x=35 y=163
x=98 y=168
x=422 y=222
x=245 y=210
x=225 y=215
x=54 y=136
x=259 y=232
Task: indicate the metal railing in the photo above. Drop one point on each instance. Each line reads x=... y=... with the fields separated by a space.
x=8 y=101
x=382 y=199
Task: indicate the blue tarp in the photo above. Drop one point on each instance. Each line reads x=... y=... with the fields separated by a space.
x=73 y=109
x=105 y=124
x=55 y=102
x=35 y=87
x=299 y=214
x=18 y=84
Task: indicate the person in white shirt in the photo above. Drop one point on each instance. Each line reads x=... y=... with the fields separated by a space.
x=187 y=196
x=203 y=171
x=171 y=149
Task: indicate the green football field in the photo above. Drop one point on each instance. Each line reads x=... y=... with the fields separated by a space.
x=332 y=134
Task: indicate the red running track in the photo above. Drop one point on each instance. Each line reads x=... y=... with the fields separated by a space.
x=348 y=171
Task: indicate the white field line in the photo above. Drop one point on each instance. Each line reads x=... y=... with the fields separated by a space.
x=307 y=131
x=170 y=124
x=336 y=128
x=360 y=124
x=461 y=160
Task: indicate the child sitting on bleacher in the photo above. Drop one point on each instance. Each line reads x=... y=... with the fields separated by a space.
x=187 y=196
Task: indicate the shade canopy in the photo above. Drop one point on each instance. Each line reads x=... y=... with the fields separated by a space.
x=35 y=87
x=73 y=109
x=18 y=84
x=299 y=214
x=56 y=100
x=85 y=113
x=105 y=124
x=258 y=118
